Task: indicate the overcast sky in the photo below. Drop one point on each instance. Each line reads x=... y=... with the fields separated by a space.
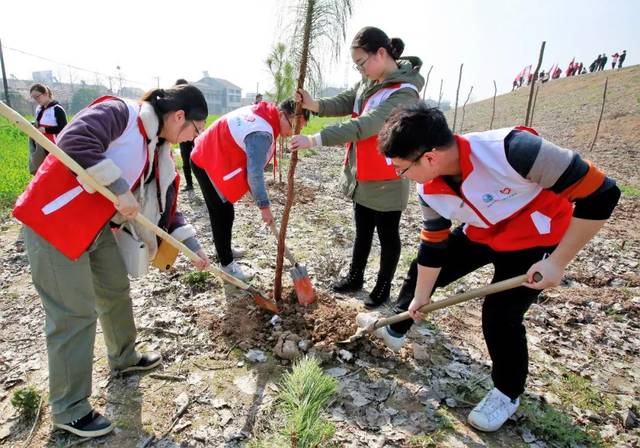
x=147 y=39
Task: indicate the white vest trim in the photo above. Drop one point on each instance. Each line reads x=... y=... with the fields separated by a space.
x=48 y=116
x=379 y=97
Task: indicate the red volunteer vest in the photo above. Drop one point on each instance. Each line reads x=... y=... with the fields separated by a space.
x=221 y=151
x=370 y=164
x=56 y=207
x=499 y=207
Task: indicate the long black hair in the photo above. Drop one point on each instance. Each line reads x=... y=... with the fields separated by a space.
x=371 y=39
x=184 y=97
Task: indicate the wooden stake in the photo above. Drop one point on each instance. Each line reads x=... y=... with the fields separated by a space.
x=463 y=111
x=426 y=83
x=455 y=110
x=533 y=107
x=440 y=95
x=493 y=112
x=604 y=98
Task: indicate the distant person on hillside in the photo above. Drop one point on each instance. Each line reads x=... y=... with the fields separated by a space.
x=556 y=73
x=570 y=68
x=623 y=56
x=50 y=119
x=594 y=65
x=524 y=205
x=185 y=153
x=614 y=60
x=258 y=98
x=604 y=62
x=579 y=70
x=228 y=161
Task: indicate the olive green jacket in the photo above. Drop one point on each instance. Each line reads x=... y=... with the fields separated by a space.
x=384 y=196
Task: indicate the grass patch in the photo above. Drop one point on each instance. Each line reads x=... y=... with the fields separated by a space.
x=629 y=191
x=304 y=393
x=576 y=390
x=316 y=124
x=14 y=164
x=558 y=428
x=26 y=400
x=196 y=278
x=435 y=438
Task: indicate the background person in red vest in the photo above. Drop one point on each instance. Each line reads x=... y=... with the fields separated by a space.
x=122 y=144
x=50 y=119
x=527 y=206
x=229 y=160
x=378 y=194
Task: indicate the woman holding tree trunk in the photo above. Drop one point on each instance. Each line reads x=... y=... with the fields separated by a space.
x=378 y=193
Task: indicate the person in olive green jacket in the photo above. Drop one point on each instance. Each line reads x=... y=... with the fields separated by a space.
x=378 y=193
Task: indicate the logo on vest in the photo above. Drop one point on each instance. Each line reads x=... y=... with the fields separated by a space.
x=497 y=196
x=487 y=198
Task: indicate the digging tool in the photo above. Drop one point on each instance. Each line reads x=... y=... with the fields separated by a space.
x=453 y=300
x=301 y=281
x=59 y=154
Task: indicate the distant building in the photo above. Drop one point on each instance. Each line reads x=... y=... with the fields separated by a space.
x=221 y=95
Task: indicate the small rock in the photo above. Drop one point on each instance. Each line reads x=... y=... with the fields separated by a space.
x=452 y=403
x=225 y=417
x=304 y=345
x=255 y=355
x=336 y=372
x=420 y=352
x=527 y=436
x=358 y=399
x=181 y=399
x=275 y=319
x=5 y=432
x=345 y=355
x=287 y=346
x=218 y=403
x=631 y=420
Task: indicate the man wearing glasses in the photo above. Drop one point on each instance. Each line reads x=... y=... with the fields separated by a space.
x=228 y=161
x=526 y=206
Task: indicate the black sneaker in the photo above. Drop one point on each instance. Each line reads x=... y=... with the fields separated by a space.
x=148 y=361
x=91 y=425
x=379 y=294
x=187 y=188
x=350 y=283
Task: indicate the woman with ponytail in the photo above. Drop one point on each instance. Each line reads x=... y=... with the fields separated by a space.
x=378 y=193
x=76 y=265
x=50 y=119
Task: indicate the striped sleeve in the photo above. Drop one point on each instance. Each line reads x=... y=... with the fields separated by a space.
x=434 y=237
x=564 y=172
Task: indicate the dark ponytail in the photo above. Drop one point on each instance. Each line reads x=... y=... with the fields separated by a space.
x=186 y=97
x=41 y=88
x=371 y=39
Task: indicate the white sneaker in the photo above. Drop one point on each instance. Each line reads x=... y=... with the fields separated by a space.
x=237 y=253
x=392 y=342
x=492 y=411
x=234 y=269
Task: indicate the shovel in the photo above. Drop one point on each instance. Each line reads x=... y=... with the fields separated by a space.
x=453 y=300
x=59 y=154
x=301 y=281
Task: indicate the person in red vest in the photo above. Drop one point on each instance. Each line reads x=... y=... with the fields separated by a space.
x=50 y=119
x=76 y=265
x=228 y=161
x=526 y=206
x=379 y=196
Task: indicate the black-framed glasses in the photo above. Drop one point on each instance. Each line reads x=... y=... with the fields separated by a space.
x=413 y=162
x=198 y=131
x=359 y=66
x=288 y=119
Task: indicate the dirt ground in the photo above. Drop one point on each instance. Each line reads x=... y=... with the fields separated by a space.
x=583 y=339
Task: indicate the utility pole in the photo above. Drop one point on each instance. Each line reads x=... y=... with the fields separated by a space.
x=157 y=81
x=4 y=78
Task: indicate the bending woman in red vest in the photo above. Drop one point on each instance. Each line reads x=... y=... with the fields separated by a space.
x=379 y=195
x=527 y=206
x=50 y=119
x=76 y=266
x=229 y=160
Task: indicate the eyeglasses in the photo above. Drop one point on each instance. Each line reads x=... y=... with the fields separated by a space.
x=413 y=162
x=359 y=66
x=198 y=131
x=35 y=97
x=288 y=119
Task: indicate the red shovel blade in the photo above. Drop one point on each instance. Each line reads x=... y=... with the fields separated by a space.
x=304 y=291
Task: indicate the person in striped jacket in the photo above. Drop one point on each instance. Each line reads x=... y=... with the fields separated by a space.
x=526 y=205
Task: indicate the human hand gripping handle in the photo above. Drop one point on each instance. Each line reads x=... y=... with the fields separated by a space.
x=267 y=216
x=127 y=205
x=308 y=102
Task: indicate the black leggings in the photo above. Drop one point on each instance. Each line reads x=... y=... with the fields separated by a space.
x=221 y=215
x=388 y=226
x=185 y=153
x=502 y=313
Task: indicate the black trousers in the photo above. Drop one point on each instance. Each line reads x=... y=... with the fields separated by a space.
x=502 y=313
x=387 y=225
x=185 y=153
x=221 y=215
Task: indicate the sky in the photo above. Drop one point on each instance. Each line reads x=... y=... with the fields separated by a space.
x=159 y=41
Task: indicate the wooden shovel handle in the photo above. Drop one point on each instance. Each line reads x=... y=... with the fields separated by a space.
x=63 y=157
x=459 y=298
x=287 y=252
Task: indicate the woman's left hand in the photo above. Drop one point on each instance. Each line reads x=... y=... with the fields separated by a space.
x=551 y=271
x=203 y=262
x=42 y=129
x=300 y=142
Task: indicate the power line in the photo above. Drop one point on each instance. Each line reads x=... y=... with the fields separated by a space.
x=75 y=67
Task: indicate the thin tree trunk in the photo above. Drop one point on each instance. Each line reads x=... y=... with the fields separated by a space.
x=426 y=83
x=277 y=284
x=533 y=107
x=280 y=157
x=463 y=110
x=493 y=112
x=455 y=110
x=440 y=95
x=533 y=83
x=604 y=98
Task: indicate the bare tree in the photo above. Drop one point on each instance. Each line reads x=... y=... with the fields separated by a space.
x=533 y=106
x=463 y=110
x=440 y=94
x=493 y=112
x=604 y=98
x=533 y=83
x=426 y=83
x=317 y=23
x=455 y=110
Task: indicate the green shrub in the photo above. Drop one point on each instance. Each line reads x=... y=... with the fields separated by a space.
x=26 y=400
